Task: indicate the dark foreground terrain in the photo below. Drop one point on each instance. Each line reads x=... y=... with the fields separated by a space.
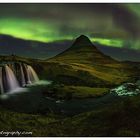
x=118 y=119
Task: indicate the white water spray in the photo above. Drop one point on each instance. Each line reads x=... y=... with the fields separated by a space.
x=22 y=76
x=11 y=79
x=32 y=74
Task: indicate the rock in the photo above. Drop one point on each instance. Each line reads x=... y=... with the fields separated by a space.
x=126 y=89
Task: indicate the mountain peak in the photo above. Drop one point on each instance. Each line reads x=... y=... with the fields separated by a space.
x=82 y=40
x=82 y=37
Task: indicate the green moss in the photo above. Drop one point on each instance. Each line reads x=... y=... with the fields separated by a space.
x=79 y=92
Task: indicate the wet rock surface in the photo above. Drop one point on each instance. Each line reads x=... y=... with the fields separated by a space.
x=127 y=89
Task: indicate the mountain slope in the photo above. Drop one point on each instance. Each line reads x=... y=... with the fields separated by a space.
x=83 y=51
x=83 y=64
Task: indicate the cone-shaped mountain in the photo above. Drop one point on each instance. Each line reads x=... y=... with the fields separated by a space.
x=83 y=64
x=83 y=51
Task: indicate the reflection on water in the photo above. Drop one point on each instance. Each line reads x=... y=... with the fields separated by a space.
x=17 y=90
x=40 y=82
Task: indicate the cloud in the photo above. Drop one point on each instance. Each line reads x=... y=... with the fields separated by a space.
x=50 y=22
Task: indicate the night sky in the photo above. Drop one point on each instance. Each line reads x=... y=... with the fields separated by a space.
x=114 y=25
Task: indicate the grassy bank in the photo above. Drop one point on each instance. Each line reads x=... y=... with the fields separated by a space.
x=79 y=92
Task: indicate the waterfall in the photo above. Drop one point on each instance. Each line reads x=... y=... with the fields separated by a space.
x=11 y=79
x=31 y=74
x=1 y=81
x=11 y=76
x=27 y=75
x=23 y=82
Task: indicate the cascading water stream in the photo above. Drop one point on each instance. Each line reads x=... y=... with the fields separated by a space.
x=11 y=79
x=22 y=76
x=11 y=76
x=28 y=80
x=32 y=74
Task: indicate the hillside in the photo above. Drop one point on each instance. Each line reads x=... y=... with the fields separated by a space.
x=83 y=64
x=84 y=52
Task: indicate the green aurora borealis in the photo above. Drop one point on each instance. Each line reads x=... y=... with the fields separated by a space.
x=34 y=30
x=107 y=24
